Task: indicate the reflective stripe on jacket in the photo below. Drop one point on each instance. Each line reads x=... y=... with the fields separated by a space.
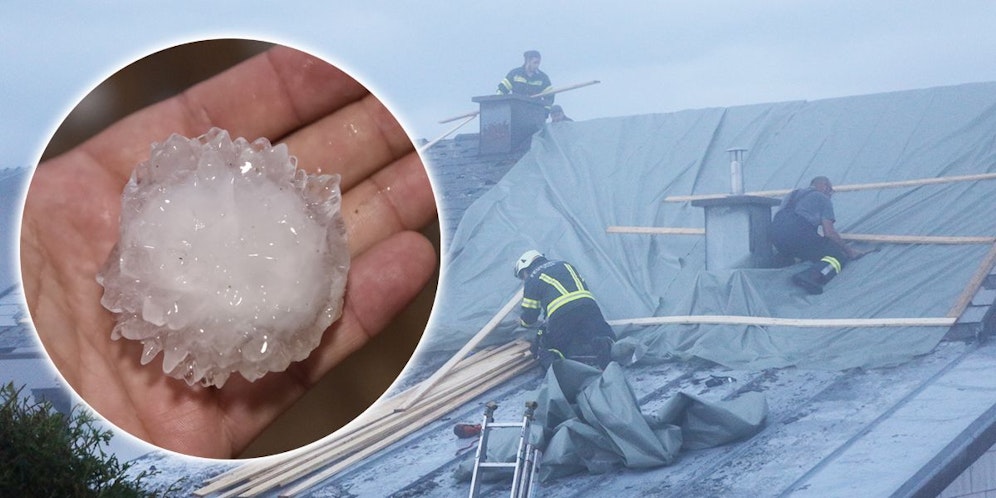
x=549 y=288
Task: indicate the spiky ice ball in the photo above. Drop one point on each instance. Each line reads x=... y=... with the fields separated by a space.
x=230 y=259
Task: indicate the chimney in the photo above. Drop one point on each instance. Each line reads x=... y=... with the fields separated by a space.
x=508 y=122
x=737 y=226
x=736 y=170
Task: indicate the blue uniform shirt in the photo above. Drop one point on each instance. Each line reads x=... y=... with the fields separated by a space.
x=812 y=205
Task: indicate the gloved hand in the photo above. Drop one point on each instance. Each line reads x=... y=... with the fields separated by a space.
x=536 y=344
x=547 y=356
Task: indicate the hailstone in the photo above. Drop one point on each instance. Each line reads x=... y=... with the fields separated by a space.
x=229 y=258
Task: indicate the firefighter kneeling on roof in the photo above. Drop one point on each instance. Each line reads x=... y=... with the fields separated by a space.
x=575 y=327
x=795 y=233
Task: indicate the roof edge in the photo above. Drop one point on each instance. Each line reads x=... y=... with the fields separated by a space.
x=954 y=459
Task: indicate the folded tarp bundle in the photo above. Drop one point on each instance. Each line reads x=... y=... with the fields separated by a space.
x=589 y=421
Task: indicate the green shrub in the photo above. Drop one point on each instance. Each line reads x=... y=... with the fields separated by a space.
x=46 y=453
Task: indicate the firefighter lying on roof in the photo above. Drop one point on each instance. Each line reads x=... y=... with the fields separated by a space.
x=575 y=327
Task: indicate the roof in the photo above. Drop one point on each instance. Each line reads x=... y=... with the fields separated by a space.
x=854 y=410
x=461 y=175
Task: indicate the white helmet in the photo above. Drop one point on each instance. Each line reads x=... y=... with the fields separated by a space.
x=525 y=260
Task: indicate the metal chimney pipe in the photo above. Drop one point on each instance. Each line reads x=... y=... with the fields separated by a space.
x=736 y=170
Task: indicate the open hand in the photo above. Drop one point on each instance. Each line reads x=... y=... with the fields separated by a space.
x=330 y=122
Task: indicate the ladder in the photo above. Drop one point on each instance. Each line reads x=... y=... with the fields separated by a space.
x=526 y=457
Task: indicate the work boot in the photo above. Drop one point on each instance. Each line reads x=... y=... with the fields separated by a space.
x=828 y=267
x=809 y=279
x=602 y=347
x=816 y=276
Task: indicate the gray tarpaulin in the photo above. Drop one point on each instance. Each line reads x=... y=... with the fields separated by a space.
x=589 y=420
x=579 y=178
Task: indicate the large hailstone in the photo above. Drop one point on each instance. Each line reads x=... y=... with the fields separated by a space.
x=229 y=260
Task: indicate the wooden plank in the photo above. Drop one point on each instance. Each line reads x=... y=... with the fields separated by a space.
x=470 y=117
x=384 y=440
x=490 y=361
x=857 y=237
x=544 y=93
x=395 y=436
x=231 y=478
x=482 y=362
x=916 y=239
x=847 y=188
x=575 y=86
x=397 y=421
x=787 y=322
x=698 y=197
x=985 y=266
x=398 y=426
x=459 y=378
x=491 y=366
x=474 y=341
x=472 y=114
x=656 y=230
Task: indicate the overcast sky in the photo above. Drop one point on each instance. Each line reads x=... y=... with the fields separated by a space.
x=427 y=59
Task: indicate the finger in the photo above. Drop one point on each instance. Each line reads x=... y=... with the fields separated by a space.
x=269 y=95
x=396 y=198
x=354 y=142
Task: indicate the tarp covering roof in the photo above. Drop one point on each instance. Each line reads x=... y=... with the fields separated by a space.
x=580 y=178
x=906 y=430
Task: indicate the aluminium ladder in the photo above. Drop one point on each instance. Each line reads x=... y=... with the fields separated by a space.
x=526 y=457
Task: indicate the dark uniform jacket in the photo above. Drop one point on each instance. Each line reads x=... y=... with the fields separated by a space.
x=556 y=290
x=552 y=287
x=574 y=326
x=519 y=83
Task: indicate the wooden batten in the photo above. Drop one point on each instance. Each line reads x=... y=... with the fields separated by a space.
x=847 y=188
x=432 y=412
x=383 y=424
x=985 y=266
x=470 y=346
x=655 y=230
x=765 y=321
x=854 y=237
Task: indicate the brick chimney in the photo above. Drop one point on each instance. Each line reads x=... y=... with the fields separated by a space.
x=508 y=122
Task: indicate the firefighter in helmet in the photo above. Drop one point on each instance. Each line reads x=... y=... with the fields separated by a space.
x=575 y=327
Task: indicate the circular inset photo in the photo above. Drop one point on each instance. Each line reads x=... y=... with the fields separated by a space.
x=229 y=248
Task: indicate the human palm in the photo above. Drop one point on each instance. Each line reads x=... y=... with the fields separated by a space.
x=70 y=224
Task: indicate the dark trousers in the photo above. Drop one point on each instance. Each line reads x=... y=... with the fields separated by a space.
x=580 y=330
x=794 y=237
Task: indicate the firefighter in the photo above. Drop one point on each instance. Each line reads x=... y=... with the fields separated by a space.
x=575 y=327
x=795 y=233
x=527 y=79
x=557 y=115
